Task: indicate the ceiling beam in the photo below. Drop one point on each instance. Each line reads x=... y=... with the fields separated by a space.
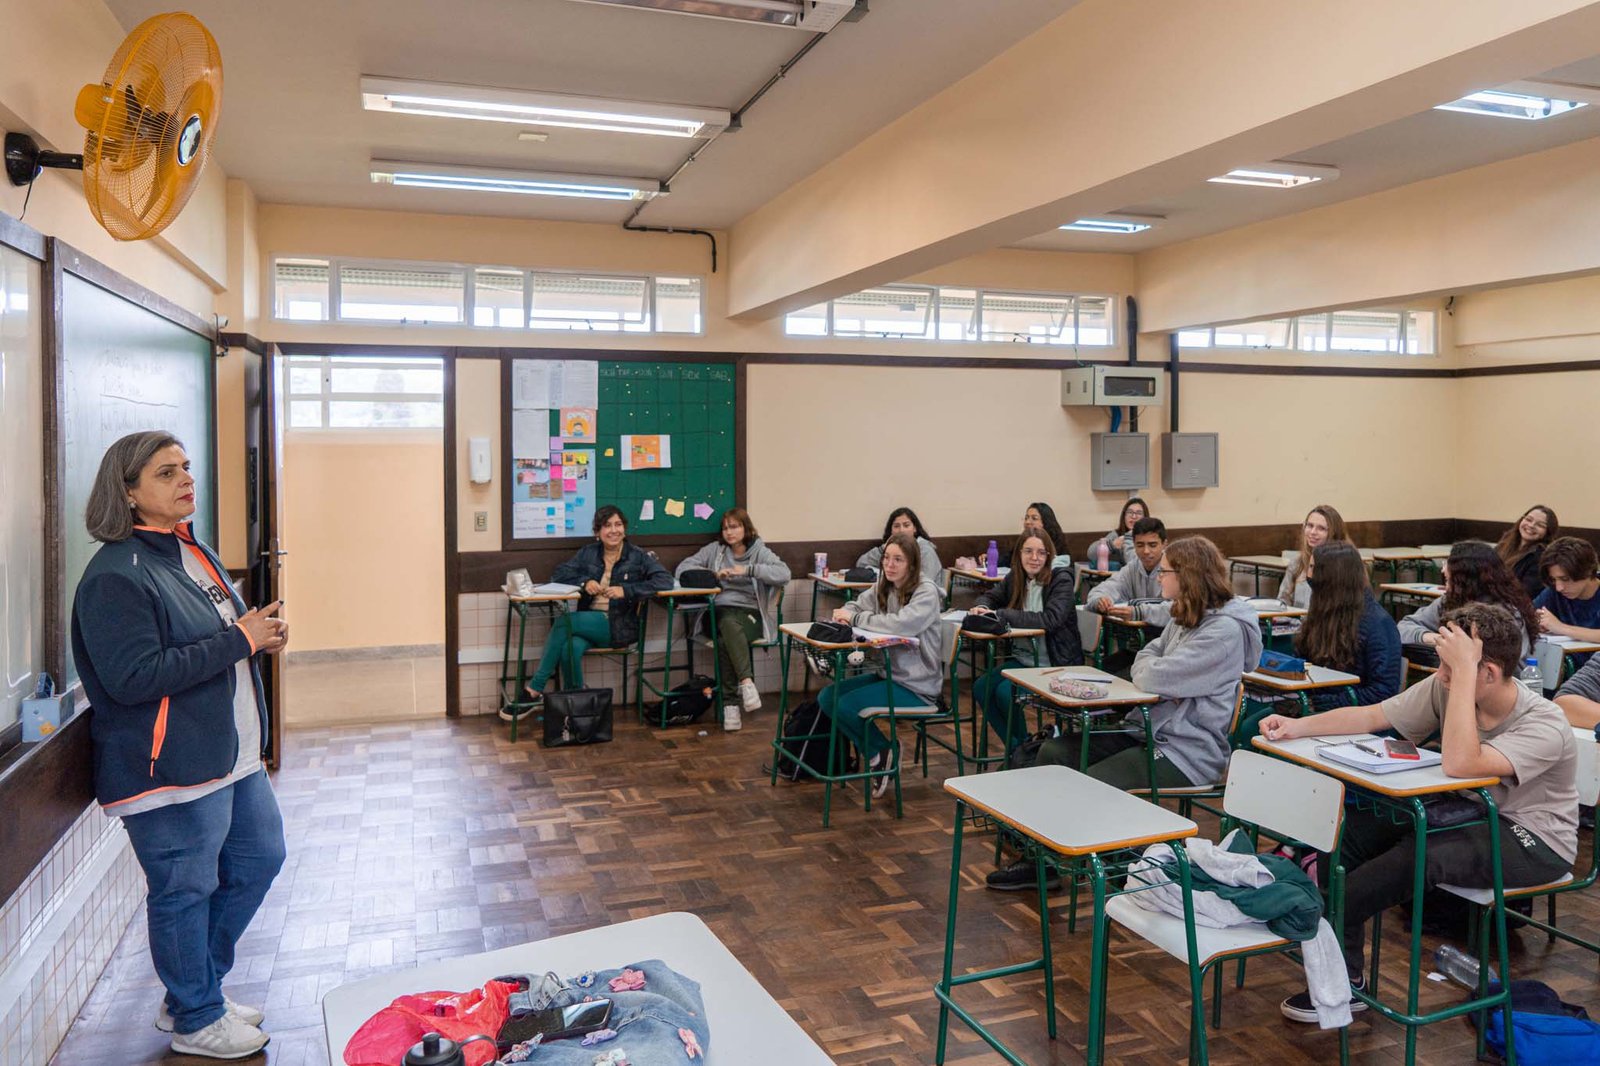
x=1120 y=101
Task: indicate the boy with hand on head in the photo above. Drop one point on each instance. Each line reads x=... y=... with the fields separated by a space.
x=1490 y=725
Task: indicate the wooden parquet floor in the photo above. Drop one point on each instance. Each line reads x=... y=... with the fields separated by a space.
x=413 y=841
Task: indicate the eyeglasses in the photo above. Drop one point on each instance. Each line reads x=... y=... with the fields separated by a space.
x=1163 y=571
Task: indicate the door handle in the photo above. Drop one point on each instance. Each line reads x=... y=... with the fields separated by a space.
x=268 y=555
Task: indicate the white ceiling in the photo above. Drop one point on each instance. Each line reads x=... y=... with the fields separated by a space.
x=294 y=129
x=1418 y=147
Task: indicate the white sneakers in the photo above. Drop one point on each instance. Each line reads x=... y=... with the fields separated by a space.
x=749 y=696
x=731 y=722
x=246 y=1014
x=884 y=761
x=226 y=1038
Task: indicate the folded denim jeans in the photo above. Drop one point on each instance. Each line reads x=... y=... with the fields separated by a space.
x=647 y=1022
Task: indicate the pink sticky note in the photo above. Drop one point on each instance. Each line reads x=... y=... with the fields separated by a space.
x=702 y=510
x=556 y=444
x=569 y=484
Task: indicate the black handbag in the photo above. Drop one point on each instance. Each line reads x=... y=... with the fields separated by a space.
x=577 y=716
x=861 y=575
x=831 y=633
x=698 y=579
x=989 y=625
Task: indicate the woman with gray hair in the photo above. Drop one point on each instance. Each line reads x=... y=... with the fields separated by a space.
x=167 y=654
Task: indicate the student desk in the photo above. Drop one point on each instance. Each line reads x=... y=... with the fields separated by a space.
x=1568 y=648
x=834 y=584
x=988 y=644
x=1395 y=559
x=971 y=577
x=1088 y=578
x=747 y=1024
x=1061 y=812
x=1112 y=629
x=1420 y=593
x=1317 y=678
x=694 y=600
x=1257 y=565
x=790 y=633
x=1122 y=696
x=1271 y=610
x=513 y=701
x=1401 y=793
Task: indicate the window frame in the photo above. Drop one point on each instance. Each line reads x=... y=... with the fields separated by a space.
x=930 y=333
x=1403 y=334
x=326 y=363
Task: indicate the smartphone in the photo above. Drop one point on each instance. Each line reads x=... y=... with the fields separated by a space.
x=1400 y=749
x=555 y=1023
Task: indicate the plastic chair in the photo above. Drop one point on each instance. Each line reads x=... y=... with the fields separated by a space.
x=1254 y=795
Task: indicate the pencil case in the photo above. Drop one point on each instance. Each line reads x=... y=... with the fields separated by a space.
x=1075 y=689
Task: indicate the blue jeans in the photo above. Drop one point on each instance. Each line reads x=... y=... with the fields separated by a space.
x=208 y=864
x=997 y=697
x=844 y=701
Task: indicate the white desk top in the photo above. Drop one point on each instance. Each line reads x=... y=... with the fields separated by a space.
x=747 y=1024
x=1266 y=608
x=979 y=575
x=1036 y=679
x=1414 y=588
x=1420 y=782
x=1569 y=646
x=829 y=582
x=1069 y=812
x=1264 y=562
x=1399 y=554
x=1316 y=677
x=678 y=590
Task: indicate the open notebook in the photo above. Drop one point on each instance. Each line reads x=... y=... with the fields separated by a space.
x=1350 y=754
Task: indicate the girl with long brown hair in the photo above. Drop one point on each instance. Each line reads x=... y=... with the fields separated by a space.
x=1523 y=544
x=1323 y=525
x=1347 y=629
x=1474 y=573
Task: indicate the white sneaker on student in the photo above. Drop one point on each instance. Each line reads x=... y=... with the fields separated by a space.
x=245 y=1013
x=748 y=695
x=225 y=1038
x=731 y=722
x=883 y=761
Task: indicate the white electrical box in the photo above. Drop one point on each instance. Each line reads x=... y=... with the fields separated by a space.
x=1119 y=461
x=1113 y=386
x=1188 y=460
x=480 y=468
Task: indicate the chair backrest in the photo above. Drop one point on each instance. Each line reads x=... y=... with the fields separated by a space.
x=1285 y=799
x=777 y=604
x=1089 y=623
x=1588 y=774
x=950 y=633
x=1238 y=709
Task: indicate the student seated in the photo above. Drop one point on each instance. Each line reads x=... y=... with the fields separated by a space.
x=1322 y=525
x=1119 y=542
x=1523 y=544
x=1570 y=606
x=1474 y=573
x=905 y=520
x=1489 y=726
x=1194 y=666
x=1034 y=595
x=904 y=603
x=1118 y=594
x=1579 y=698
x=1347 y=629
x=749 y=575
x=1041 y=518
x=613 y=578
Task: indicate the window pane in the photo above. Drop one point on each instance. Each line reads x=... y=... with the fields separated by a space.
x=590 y=302
x=1273 y=334
x=425 y=380
x=678 y=305
x=885 y=312
x=1311 y=333
x=305 y=379
x=300 y=290
x=497 y=299
x=1366 y=331
x=402 y=294
x=958 y=311
x=1194 y=338
x=1419 y=332
x=305 y=414
x=385 y=414
x=807 y=322
x=1029 y=318
x=1094 y=320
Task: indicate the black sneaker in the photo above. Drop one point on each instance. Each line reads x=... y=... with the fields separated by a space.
x=1585 y=816
x=1020 y=877
x=1298 y=1008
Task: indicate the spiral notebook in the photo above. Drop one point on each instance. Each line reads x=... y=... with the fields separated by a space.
x=1358 y=757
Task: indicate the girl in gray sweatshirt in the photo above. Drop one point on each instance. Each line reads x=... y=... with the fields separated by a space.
x=905 y=520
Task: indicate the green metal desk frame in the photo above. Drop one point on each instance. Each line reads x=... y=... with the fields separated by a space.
x=704 y=601
x=513 y=700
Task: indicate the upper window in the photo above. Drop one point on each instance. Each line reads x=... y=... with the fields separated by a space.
x=489 y=297
x=1394 y=332
x=365 y=392
x=947 y=313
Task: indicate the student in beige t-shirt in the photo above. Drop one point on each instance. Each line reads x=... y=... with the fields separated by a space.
x=1490 y=725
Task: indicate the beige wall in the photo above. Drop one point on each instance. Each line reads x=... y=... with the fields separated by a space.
x=364 y=526
x=478 y=415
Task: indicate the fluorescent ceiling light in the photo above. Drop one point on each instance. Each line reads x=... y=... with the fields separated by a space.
x=1278 y=175
x=1498 y=103
x=540 y=109
x=1114 y=223
x=526 y=182
x=818 y=16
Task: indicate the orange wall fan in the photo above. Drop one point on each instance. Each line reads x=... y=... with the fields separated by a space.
x=150 y=121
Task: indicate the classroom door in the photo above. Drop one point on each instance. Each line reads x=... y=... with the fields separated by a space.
x=266 y=513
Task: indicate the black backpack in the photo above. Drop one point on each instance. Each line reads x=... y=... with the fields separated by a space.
x=805 y=719
x=686 y=704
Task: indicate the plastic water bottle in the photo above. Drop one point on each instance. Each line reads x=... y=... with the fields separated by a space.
x=1531 y=675
x=1102 y=557
x=991 y=560
x=1460 y=967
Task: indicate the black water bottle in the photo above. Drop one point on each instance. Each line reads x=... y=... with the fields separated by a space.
x=435 y=1050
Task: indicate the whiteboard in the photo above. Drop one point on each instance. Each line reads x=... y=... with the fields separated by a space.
x=125 y=368
x=21 y=480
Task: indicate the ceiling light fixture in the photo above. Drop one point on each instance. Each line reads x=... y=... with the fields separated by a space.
x=526 y=182
x=817 y=16
x=540 y=109
x=1278 y=175
x=1114 y=222
x=1498 y=103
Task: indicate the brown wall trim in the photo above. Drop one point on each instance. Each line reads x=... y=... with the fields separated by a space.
x=43 y=791
x=21 y=237
x=1316 y=371
x=97 y=273
x=1576 y=366
x=245 y=341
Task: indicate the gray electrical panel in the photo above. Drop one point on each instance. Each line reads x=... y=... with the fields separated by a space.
x=1188 y=460
x=1119 y=461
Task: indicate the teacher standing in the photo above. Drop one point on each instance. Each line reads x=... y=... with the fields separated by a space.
x=167 y=654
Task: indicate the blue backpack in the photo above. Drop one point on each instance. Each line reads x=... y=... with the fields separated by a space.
x=1547 y=1031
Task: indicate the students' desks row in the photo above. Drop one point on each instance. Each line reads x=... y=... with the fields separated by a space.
x=1097 y=829
x=1425 y=558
